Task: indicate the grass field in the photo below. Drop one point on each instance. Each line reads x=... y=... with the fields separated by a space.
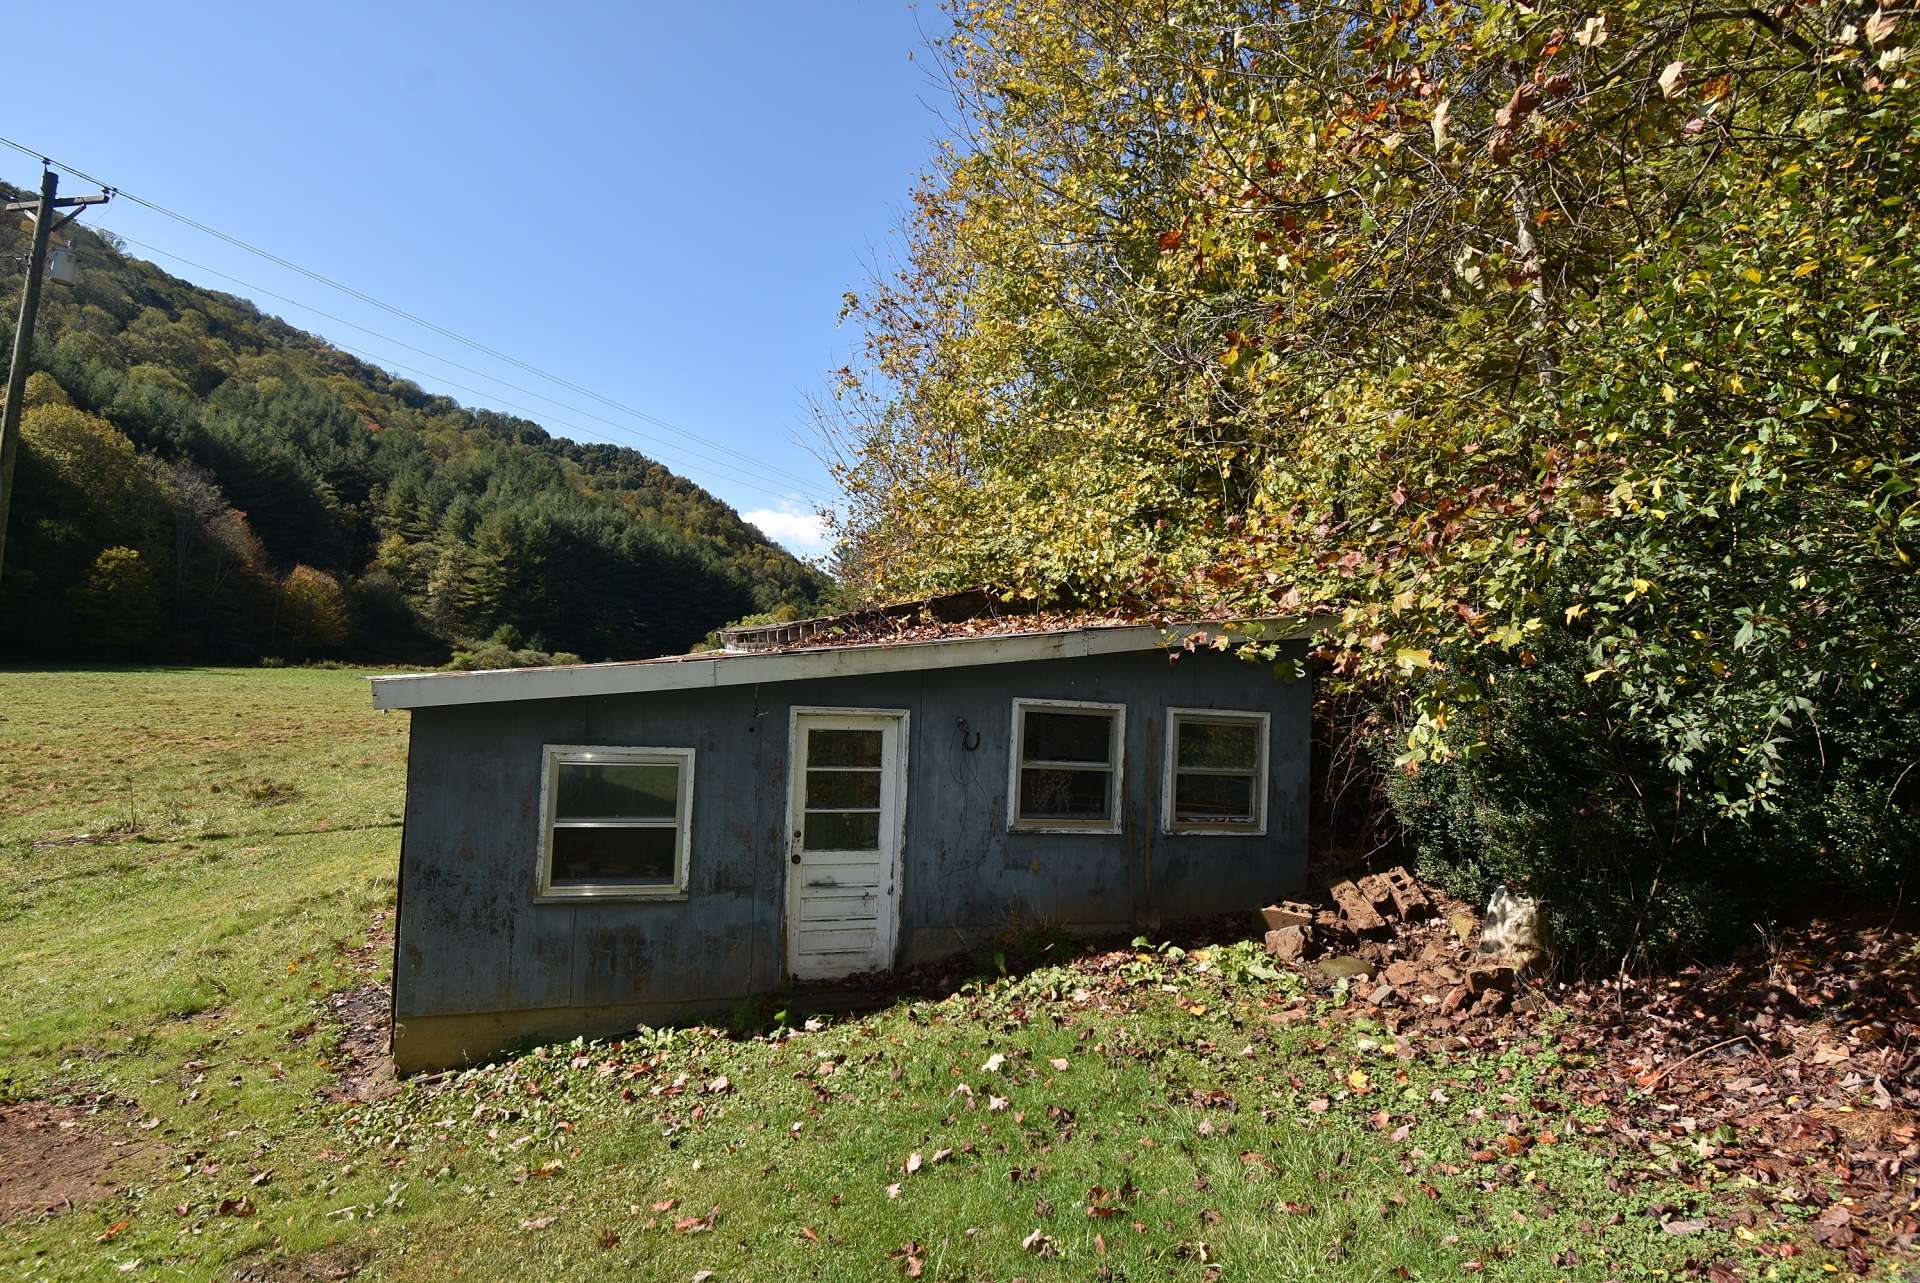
x=193 y=860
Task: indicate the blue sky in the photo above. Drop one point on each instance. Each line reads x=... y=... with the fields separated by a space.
x=660 y=203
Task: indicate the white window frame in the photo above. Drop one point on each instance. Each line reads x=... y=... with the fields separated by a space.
x=1117 y=766
x=1257 y=827
x=552 y=757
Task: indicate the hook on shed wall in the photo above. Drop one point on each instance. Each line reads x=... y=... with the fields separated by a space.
x=970 y=741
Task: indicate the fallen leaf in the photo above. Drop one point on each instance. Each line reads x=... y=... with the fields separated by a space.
x=912 y=1257
x=696 y=1224
x=538 y=1222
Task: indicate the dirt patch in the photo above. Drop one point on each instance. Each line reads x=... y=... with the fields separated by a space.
x=364 y=1065
x=323 y=1265
x=54 y=1158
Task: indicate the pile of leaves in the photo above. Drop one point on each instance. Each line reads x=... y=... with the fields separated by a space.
x=1796 y=1069
x=1792 y=1070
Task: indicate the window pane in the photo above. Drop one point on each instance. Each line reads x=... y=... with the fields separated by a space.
x=1230 y=744
x=843 y=788
x=613 y=857
x=843 y=748
x=1213 y=797
x=1051 y=736
x=842 y=831
x=648 y=791
x=1064 y=795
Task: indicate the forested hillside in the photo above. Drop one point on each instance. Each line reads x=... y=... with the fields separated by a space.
x=1565 y=351
x=199 y=480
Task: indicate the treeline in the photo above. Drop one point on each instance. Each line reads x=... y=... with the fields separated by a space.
x=199 y=480
x=1565 y=354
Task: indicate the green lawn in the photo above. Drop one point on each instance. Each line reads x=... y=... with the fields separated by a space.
x=190 y=860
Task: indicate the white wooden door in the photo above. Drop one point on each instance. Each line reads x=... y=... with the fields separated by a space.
x=845 y=811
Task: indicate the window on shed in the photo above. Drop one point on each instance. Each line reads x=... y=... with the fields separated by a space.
x=1216 y=771
x=617 y=821
x=1066 y=766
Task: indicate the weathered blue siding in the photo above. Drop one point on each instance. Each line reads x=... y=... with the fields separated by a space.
x=471 y=939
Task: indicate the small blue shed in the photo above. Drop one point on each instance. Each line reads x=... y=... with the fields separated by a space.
x=593 y=847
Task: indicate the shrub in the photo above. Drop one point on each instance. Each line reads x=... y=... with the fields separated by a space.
x=492 y=654
x=1637 y=863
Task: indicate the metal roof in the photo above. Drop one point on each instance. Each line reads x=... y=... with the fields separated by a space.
x=727 y=668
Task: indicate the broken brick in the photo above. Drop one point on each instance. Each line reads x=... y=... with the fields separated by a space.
x=1410 y=901
x=1356 y=908
x=1289 y=943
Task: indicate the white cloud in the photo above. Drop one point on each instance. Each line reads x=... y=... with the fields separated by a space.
x=800 y=531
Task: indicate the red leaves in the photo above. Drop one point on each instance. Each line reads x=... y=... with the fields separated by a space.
x=1171 y=240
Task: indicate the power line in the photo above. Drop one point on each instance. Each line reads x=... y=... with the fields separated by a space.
x=369 y=299
x=743 y=482
x=729 y=471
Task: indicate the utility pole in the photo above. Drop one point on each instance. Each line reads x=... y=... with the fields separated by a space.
x=41 y=211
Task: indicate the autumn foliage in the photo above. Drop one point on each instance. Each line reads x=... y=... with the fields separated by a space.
x=1509 y=332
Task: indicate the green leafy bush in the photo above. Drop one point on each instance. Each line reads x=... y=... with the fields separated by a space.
x=1566 y=800
x=492 y=654
x=1563 y=360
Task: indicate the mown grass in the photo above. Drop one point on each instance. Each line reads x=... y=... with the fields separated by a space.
x=243 y=832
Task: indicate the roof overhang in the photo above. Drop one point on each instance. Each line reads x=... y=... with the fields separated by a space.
x=720 y=668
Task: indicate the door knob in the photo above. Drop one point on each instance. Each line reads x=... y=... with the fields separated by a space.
x=796 y=857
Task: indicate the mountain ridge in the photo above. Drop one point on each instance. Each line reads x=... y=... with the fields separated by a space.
x=200 y=478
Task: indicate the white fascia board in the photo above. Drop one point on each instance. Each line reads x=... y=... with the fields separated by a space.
x=504 y=685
